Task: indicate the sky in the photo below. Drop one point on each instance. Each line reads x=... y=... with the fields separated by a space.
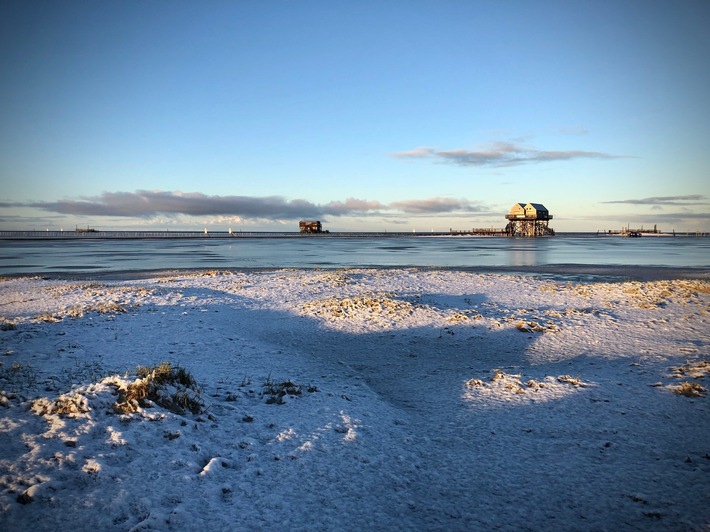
x=368 y=115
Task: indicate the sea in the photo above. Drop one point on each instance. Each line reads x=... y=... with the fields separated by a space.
x=565 y=253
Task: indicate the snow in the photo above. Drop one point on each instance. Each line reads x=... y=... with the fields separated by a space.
x=355 y=399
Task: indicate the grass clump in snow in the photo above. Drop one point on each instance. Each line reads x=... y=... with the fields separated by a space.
x=689 y=389
x=6 y=325
x=172 y=387
x=83 y=371
x=529 y=326
x=205 y=273
x=464 y=316
x=696 y=369
x=48 y=317
x=513 y=383
x=17 y=378
x=73 y=405
x=362 y=306
x=75 y=312
x=276 y=392
x=574 y=381
x=109 y=307
x=533 y=326
x=509 y=382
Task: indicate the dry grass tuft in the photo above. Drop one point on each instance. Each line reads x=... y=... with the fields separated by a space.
x=214 y=273
x=529 y=326
x=18 y=378
x=641 y=294
x=499 y=374
x=7 y=325
x=171 y=387
x=689 y=389
x=696 y=369
x=533 y=326
x=364 y=306
x=197 y=274
x=513 y=383
x=464 y=316
x=335 y=278
x=510 y=382
x=65 y=405
x=532 y=383
x=277 y=392
x=48 y=318
x=109 y=307
x=574 y=381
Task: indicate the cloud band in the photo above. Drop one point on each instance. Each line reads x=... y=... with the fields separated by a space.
x=501 y=154
x=147 y=204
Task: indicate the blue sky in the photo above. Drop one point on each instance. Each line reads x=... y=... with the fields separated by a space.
x=366 y=115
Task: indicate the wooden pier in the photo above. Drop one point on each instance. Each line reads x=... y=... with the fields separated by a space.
x=227 y=235
x=628 y=232
x=479 y=232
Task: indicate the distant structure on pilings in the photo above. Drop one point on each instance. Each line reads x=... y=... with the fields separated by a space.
x=530 y=219
x=308 y=227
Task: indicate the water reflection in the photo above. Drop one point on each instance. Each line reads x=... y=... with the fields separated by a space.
x=529 y=252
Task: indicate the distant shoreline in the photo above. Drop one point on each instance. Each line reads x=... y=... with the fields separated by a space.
x=147 y=235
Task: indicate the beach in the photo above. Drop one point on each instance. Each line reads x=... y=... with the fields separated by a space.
x=356 y=399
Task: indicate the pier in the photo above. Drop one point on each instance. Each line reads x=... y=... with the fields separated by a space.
x=209 y=235
x=627 y=231
x=479 y=232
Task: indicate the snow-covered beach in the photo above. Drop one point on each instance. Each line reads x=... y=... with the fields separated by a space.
x=377 y=399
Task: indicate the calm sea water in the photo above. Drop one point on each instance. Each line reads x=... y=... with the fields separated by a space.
x=106 y=256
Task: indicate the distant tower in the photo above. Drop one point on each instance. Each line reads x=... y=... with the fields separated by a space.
x=530 y=219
